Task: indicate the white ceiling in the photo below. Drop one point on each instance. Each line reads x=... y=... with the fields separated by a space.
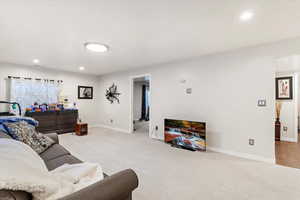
x=139 y=32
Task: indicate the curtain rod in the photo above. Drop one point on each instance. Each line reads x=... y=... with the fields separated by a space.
x=37 y=79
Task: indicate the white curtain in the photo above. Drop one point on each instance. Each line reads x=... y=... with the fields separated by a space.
x=27 y=92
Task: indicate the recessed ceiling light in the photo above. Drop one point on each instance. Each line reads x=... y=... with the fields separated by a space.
x=81 y=68
x=246 y=16
x=96 y=47
x=36 y=61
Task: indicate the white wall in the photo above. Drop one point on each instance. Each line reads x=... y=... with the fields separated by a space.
x=71 y=81
x=226 y=88
x=289 y=111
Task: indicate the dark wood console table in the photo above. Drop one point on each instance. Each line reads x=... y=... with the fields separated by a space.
x=55 y=121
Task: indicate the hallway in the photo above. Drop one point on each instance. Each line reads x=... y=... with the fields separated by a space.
x=141 y=127
x=288 y=153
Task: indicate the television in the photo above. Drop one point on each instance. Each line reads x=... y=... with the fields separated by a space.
x=184 y=134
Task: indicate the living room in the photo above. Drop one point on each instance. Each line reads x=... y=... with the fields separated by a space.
x=204 y=67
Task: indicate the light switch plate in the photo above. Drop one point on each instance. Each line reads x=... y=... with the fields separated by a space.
x=251 y=142
x=262 y=103
x=189 y=90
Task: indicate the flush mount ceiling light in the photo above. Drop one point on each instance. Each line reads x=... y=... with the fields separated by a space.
x=36 y=61
x=81 y=68
x=246 y=16
x=96 y=47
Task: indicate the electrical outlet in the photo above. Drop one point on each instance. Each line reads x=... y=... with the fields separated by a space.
x=111 y=121
x=285 y=128
x=251 y=142
x=156 y=128
x=189 y=90
x=262 y=103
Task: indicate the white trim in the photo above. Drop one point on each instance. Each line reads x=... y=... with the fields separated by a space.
x=287 y=139
x=131 y=79
x=243 y=155
x=111 y=128
x=94 y=126
x=296 y=89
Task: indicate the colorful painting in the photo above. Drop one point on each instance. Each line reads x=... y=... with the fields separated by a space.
x=284 y=88
x=186 y=134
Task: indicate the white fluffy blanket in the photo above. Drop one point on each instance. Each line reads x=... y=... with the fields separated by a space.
x=22 y=169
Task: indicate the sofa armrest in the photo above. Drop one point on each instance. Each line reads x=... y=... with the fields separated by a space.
x=14 y=195
x=116 y=187
x=53 y=136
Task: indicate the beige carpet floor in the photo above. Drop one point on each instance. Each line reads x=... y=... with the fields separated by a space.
x=168 y=173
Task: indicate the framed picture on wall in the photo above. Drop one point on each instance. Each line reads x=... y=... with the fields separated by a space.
x=85 y=92
x=284 y=88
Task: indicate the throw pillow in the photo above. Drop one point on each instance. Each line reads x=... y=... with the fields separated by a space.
x=26 y=133
x=13 y=119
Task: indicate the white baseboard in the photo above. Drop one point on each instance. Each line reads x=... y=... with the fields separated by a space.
x=243 y=155
x=288 y=139
x=94 y=126
x=112 y=128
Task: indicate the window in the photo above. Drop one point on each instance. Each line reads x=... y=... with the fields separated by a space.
x=27 y=92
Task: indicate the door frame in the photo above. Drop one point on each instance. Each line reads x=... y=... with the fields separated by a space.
x=131 y=102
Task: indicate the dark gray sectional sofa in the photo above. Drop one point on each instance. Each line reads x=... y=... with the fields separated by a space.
x=116 y=187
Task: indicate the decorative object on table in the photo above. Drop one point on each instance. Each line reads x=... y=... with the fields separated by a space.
x=277 y=122
x=64 y=100
x=60 y=106
x=81 y=129
x=284 y=88
x=85 y=92
x=52 y=107
x=44 y=107
x=36 y=106
x=28 y=109
x=112 y=94
x=47 y=107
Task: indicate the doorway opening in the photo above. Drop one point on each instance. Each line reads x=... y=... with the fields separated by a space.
x=140 y=112
x=287 y=145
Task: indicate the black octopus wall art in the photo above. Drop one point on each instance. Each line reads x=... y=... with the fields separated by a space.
x=112 y=94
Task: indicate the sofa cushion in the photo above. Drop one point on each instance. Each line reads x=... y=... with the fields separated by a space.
x=13 y=195
x=53 y=136
x=53 y=152
x=54 y=163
